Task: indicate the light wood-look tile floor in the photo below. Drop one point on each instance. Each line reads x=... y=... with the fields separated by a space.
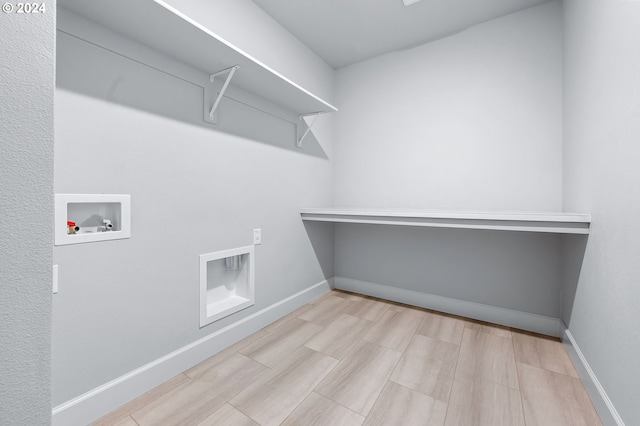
x=354 y=360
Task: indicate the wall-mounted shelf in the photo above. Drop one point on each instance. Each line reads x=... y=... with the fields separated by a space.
x=94 y=217
x=165 y=29
x=560 y=223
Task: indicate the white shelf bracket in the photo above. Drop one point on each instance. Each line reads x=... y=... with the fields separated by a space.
x=302 y=116
x=230 y=71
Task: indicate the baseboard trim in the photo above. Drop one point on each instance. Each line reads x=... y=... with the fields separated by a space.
x=603 y=405
x=508 y=317
x=102 y=400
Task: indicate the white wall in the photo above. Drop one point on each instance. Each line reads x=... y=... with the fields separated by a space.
x=602 y=177
x=122 y=127
x=473 y=121
x=26 y=196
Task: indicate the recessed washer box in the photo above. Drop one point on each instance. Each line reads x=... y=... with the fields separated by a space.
x=85 y=218
x=226 y=283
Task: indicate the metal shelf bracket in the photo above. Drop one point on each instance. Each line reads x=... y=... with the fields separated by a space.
x=309 y=126
x=229 y=71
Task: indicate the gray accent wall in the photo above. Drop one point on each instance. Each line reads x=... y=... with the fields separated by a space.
x=602 y=177
x=27 y=46
x=512 y=270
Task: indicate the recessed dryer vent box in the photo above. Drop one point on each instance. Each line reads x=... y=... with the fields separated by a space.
x=226 y=283
x=84 y=218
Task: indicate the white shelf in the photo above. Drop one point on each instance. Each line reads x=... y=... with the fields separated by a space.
x=167 y=30
x=560 y=223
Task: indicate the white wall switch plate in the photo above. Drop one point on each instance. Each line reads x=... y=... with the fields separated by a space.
x=257 y=236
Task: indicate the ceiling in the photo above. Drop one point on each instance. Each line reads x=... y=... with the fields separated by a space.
x=343 y=32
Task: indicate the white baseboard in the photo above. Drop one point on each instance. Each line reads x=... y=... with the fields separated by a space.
x=332 y=282
x=603 y=405
x=102 y=400
x=509 y=317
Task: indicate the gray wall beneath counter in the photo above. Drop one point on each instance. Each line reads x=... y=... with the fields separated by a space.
x=513 y=270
